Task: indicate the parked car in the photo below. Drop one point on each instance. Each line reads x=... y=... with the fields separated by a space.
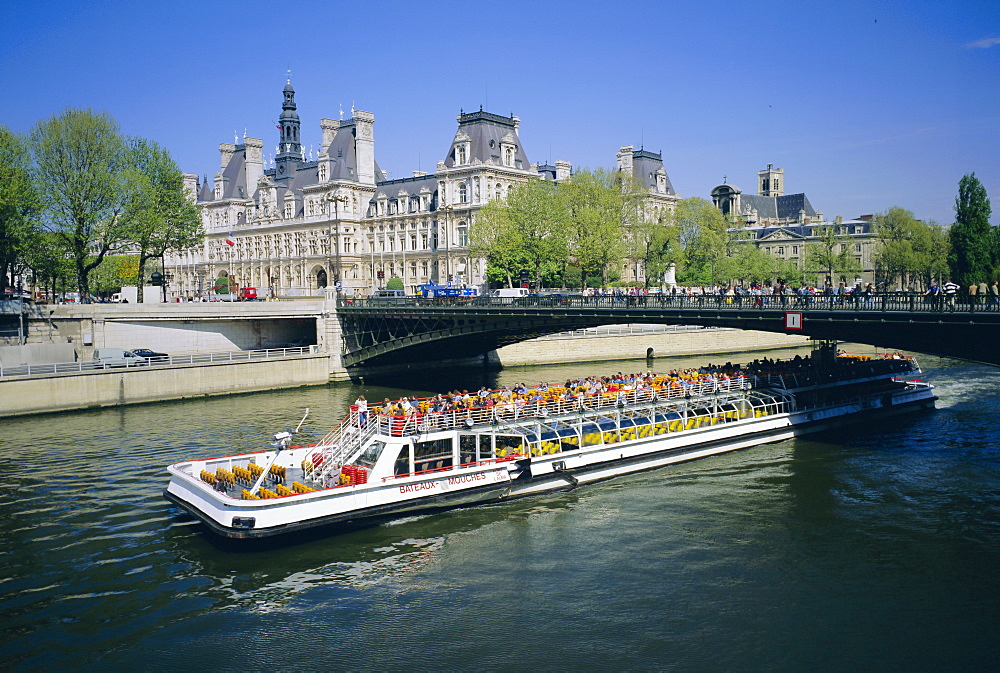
x=150 y=355
x=117 y=357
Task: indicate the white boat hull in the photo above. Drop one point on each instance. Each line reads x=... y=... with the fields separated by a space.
x=499 y=479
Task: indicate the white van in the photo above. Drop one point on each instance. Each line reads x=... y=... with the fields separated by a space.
x=511 y=292
x=117 y=357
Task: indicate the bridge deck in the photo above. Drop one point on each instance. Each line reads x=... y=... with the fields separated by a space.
x=377 y=330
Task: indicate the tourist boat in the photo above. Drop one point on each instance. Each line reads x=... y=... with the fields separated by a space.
x=385 y=463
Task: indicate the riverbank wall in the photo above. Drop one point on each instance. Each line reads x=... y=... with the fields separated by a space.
x=135 y=385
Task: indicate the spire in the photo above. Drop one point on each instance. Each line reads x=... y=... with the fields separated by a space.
x=289 y=147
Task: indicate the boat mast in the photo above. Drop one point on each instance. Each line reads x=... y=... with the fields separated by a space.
x=282 y=439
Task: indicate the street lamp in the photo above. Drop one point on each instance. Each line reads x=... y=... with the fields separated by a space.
x=336 y=200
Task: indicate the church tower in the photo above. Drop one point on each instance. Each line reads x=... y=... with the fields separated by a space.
x=770 y=181
x=289 y=148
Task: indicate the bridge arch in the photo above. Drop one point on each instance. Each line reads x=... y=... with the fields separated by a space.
x=433 y=329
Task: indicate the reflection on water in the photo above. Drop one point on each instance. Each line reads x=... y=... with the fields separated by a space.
x=782 y=552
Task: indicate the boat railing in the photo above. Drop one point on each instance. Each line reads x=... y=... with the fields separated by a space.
x=344 y=439
x=845 y=366
x=424 y=418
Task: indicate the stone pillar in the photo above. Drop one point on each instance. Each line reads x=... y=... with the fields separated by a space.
x=329 y=336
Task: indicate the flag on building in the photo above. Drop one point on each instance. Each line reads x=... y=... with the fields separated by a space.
x=230 y=240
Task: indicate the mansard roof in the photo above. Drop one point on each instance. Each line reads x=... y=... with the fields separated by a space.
x=343 y=154
x=777 y=207
x=645 y=164
x=803 y=231
x=390 y=188
x=485 y=132
x=205 y=190
x=234 y=176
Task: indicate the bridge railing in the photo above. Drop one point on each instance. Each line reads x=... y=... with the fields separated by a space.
x=879 y=301
x=49 y=368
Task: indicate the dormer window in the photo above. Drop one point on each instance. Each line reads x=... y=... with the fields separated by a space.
x=461 y=155
x=508 y=156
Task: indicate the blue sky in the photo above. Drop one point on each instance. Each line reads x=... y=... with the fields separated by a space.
x=865 y=105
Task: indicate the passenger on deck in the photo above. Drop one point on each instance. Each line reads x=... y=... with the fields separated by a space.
x=362 y=404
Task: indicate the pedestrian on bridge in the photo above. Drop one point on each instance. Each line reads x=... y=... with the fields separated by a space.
x=950 y=290
x=933 y=295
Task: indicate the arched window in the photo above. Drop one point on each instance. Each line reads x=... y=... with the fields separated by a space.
x=463 y=193
x=461 y=154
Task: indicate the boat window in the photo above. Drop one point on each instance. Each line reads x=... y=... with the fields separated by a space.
x=371 y=454
x=485 y=447
x=466 y=449
x=507 y=445
x=402 y=465
x=432 y=455
x=591 y=435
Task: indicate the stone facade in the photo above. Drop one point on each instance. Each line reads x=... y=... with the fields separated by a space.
x=299 y=223
x=784 y=225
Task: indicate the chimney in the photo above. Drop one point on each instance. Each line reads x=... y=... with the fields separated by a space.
x=625 y=158
x=328 y=128
x=190 y=181
x=563 y=170
x=254 y=163
x=364 y=146
x=226 y=151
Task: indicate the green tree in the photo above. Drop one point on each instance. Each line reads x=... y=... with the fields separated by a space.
x=702 y=236
x=830 y=255
x=657 y=244
x=395 y=284
x=895 y=257
x=603 y=206
x=51 y=268
x=81 y=162
x=19 y=207
x=161 y=216
x=973 y=242
x=909 y=253
x=527 y=231
x=746 y=264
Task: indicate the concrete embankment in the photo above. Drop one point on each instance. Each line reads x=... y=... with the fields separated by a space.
x=114 y=387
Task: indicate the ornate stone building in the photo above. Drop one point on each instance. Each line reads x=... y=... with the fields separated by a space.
x=770 y=206
x=299 y=224
x=784 y=225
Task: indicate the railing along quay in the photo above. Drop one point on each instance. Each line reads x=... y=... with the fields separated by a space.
x=192 y=359
x=912 y=302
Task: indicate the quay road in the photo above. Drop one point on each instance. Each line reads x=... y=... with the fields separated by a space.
x=395 y=330
x=227 y=357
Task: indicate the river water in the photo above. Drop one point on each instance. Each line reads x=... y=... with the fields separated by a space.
x=872 y=550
